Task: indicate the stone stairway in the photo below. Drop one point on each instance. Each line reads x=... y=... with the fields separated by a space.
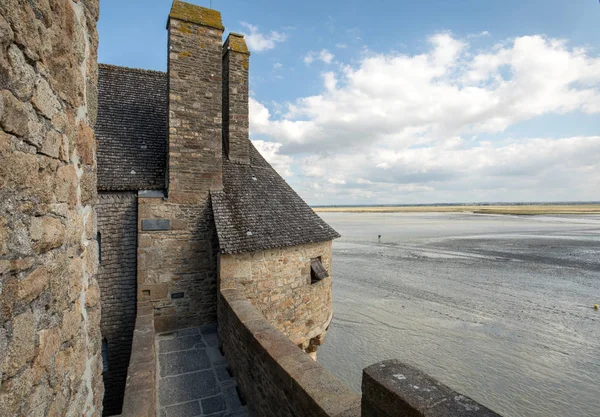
x=193 y=378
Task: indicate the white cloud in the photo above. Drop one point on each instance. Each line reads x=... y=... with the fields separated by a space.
x=270 y=151
x=329 y=80
x=324 y=55
x=395 y=127
x=258 y=42
x=277 y=65
x=340 y=45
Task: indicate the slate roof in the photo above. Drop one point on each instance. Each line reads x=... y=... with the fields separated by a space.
x=258 y=210
x=131 y=128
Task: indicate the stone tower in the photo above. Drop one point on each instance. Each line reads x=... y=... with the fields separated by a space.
x=236 y=62
x=177 y=244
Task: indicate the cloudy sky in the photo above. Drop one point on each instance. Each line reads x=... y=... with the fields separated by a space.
x=393 y=101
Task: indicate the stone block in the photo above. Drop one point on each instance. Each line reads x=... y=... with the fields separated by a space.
x=181 y=343
x=213 y=404
x=14 y=113
x=21 y=75
x=44 y=98
x=47 y=233
x=33 y=285
x=188 y=387
x=191 y=408
x=181 y=362
x=21 y=347
x=392 y=388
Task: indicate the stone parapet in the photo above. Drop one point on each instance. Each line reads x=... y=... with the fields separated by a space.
x=276 y=377
x=394 y=389
x=140 y=390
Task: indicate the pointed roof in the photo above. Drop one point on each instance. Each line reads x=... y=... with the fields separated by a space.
x=131 y=128
x=258 y=210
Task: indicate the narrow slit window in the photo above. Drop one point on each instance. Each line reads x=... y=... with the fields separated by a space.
x=317 y=270
x=99 y=239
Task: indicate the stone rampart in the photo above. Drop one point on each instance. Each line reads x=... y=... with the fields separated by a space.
x=277 y=378
x=140 y=391
x=50 y=343
x=391 y=389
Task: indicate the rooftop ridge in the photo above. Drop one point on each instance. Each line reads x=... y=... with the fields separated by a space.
x=131 y=69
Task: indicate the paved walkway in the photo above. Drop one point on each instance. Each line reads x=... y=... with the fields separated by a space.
x=193 y=376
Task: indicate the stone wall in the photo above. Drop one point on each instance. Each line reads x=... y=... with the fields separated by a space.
x=177 y=265
x=117 y=228
x=177 y=261
x=50 y=304
x=278 y=282
x=140 y=391
x=275 y=377
x=391 y=388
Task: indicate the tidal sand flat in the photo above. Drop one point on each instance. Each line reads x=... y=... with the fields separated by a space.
x=498 y=307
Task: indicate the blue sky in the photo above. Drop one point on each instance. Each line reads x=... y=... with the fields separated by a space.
x=359 y=102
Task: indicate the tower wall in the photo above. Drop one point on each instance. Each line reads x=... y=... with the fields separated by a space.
x=50 y=360
x=177 y=240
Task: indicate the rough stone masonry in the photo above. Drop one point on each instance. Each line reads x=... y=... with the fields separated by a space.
x=50 y=361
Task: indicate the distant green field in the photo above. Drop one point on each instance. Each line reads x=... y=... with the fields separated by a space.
x=517 y=209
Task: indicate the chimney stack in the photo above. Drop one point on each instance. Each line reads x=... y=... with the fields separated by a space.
x=236 y=61
x=195 y=105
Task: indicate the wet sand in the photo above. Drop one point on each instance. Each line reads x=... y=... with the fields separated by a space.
x=498 y=307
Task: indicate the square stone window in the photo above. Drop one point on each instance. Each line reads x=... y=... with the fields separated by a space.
x=317 y=270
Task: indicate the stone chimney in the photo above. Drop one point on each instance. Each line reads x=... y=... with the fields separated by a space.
x=195 y=102
x=236 y=58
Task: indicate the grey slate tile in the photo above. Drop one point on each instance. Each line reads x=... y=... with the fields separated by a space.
x=131 y=128
x=258 y=210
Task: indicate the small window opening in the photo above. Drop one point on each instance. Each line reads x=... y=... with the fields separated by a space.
x=99 y=239
x=104 y=355
x=317 y=270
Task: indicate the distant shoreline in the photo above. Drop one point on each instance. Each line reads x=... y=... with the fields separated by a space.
x=532 y=209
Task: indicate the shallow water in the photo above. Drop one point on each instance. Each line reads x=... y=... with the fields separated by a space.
x=497 y=307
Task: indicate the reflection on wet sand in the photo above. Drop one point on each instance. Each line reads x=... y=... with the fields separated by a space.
x=498 y=307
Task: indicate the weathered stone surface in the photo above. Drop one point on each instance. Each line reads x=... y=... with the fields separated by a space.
x=278 y=282
x=66 y=185
x=292 y=384
x=117 y=227
x=49 y=344
x=44 y=98
x=392 y=388
x=47 y=233
x=52 y=144
x=33 y=285
x=21 y=348
x=187 y=387
x=43 y=49
x=86 y=144
x=181 y=362
x=14 y=113
x=22 y=79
